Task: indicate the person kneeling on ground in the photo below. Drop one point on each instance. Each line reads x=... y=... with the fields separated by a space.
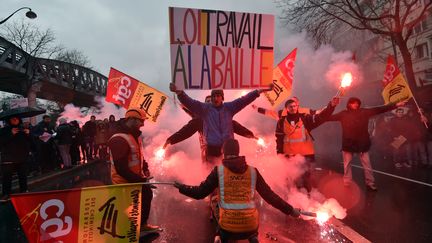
x=238 y=216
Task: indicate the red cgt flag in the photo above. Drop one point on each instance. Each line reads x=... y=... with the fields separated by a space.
x=395 y=87
x=283 y=75
x=120 y=88
x=107 y=214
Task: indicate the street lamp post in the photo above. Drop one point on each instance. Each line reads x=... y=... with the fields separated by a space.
x=30 y=14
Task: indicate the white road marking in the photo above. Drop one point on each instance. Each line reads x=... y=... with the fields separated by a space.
x=396 y=176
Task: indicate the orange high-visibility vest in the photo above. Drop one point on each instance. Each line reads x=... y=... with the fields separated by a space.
x=237 y=211
x=134 y=158
x=297 y=139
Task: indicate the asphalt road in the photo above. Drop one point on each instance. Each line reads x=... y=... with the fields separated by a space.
x=399 y=211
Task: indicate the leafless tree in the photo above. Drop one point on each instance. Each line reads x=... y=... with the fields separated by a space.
x=74 y=56
x=393 y=19
x=32 y=39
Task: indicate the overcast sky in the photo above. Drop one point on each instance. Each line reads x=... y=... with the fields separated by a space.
x=133 y=37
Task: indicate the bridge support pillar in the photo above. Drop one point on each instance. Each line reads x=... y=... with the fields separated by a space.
x=31 y=97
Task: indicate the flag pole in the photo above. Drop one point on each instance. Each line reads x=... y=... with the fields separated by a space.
x=419 y=110
x=157 y=183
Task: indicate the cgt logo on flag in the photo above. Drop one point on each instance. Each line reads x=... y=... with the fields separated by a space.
x=95 y=214
x=120 y=88
x=283 y=75
x=395 y=86
x=128 y=92
x=62 y=224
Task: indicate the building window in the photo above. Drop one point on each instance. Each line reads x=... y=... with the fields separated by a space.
x=421 y=26
x=422 y=51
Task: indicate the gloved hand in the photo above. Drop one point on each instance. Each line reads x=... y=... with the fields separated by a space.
x=147 y=179
x=335 y=101
x=167 y=142
x=295 y=213
x=145 y=169
x=173 y=88
x=178 y=184
x=270 y=88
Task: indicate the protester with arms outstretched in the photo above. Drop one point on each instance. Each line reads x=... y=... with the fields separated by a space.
x=293 y=135
x=217 y=117
x=355 y=137
x=238 y=216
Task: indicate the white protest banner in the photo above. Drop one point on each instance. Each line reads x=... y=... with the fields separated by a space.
x=213 y=49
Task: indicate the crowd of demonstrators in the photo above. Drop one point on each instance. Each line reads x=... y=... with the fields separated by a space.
x=409 y=136
x=45 y=148
x=403 y=138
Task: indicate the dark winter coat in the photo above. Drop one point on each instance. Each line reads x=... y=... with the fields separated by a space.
x=76 y=133
x=14 y=148
x=64 y=134
x=196 y=125
x=43 y=127
x=237 y=165
x=355 y=134
x=89 y=129
x=112 y=128
x=217 y=121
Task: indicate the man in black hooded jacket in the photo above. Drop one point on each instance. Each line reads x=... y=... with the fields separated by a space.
x=355 y=136
x=234 y=180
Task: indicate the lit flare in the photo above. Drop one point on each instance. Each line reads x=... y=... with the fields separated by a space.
x=322 y=217
x=261 y=142
x=160 y=154
x=345 y=82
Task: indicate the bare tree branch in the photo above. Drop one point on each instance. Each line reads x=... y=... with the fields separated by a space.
x=31 y=39
x=74 y=56
x=387 y=18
